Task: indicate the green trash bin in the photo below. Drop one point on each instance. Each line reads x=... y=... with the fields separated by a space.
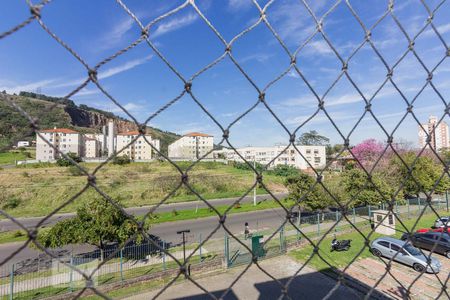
x=257 y=245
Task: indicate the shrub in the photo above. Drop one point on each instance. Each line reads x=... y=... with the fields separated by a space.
x=284 y=170
x=245 y=166
x=174 y=212
x=11 y=203
x=121 y=160
x=25 y=174
x=18 y=233
x=64 y=162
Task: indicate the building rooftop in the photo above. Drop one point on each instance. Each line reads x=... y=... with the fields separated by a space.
x=62 y=130
x=197 y=134
x=134 y=132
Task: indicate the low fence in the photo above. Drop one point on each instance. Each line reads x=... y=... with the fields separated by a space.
x=41 y=277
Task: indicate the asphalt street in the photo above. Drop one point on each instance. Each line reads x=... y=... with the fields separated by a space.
x=8 y=225
x=258 y=220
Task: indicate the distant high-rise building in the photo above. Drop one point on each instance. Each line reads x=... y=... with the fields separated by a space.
x=438 y=134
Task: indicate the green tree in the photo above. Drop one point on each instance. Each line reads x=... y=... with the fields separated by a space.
x=284 y=170
x=97 y=222
x=362 y=191
x=121 y=160
x=424 y=174
x=64 y=162
x=300 y=185
x=312 y=138
x=330 y=150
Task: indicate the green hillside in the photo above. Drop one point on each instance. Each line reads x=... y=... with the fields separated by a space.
x=52 y=112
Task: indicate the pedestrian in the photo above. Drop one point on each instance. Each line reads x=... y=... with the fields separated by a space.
x=246 y=230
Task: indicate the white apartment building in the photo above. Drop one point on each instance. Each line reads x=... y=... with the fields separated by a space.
x=279 y=155
x=64 y=139
x=139 y=149
x=92 y=148
x=438 y=132
x=193 y=145
x=101 y=139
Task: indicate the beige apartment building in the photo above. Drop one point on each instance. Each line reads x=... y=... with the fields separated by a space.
x=311 y=156
x=139 y=149
x=64 y=139
x=92 y=147
x=438 y=133
x=193 y=145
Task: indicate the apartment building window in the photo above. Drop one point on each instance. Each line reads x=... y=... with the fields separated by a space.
x=317 y=160
x=316 y=151
x=308 y=151
x=308 y=158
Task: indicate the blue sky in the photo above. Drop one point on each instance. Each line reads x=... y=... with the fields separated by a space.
x=30 y=59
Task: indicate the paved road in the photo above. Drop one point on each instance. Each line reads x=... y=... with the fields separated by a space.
x=8 y=225
x=257 y=220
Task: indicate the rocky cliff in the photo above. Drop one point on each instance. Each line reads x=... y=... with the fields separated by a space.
x=57 y=112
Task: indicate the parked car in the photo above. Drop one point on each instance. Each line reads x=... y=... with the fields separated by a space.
x=427 y=240
x=440 y=229
x=442 y=222
x=407 y=254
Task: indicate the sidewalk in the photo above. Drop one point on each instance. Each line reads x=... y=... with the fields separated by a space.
x=255 y=284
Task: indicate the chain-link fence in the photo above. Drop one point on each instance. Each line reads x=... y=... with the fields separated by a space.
x=114 y=265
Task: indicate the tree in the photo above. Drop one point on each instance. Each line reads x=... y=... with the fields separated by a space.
x=330 y=150
x=312 y=138
x=64 y=162
x=363 y=191
x=424 y=174
x=284 y=170
x=121 y=160
x=97 y=222
x=368 y=152
x=302 y=185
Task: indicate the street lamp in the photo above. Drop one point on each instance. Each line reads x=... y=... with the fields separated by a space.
x=254 y=176
x=183 y=232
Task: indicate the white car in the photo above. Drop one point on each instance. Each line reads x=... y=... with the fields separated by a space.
x=441 y=222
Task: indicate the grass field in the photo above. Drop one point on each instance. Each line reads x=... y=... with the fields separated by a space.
x=36 y=191
x=342 y=259
x=10 y=157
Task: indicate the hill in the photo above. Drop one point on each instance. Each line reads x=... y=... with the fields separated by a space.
x=59 y=112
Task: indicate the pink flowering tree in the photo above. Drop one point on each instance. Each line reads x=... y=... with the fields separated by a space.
x=368 y=151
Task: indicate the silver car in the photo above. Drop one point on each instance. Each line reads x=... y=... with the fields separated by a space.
x=441 y=222
x=407 y=254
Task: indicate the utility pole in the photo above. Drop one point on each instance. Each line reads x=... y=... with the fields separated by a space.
x=254 y=176
x=183 y=232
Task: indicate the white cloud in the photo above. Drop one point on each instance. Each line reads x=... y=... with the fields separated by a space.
x=293 y=74
x=320 y=47
x=259 y=57
x=237 y=5
x=124 y=67
x=116 y=34
x=87 y=92
x=55 y=84
x=130 y=107
x=443 y=29
x=27 y=87
x=174 y=24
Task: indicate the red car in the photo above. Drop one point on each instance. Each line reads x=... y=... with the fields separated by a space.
x=433 y=230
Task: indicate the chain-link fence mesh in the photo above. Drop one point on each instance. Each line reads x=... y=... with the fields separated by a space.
x=331 y=222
